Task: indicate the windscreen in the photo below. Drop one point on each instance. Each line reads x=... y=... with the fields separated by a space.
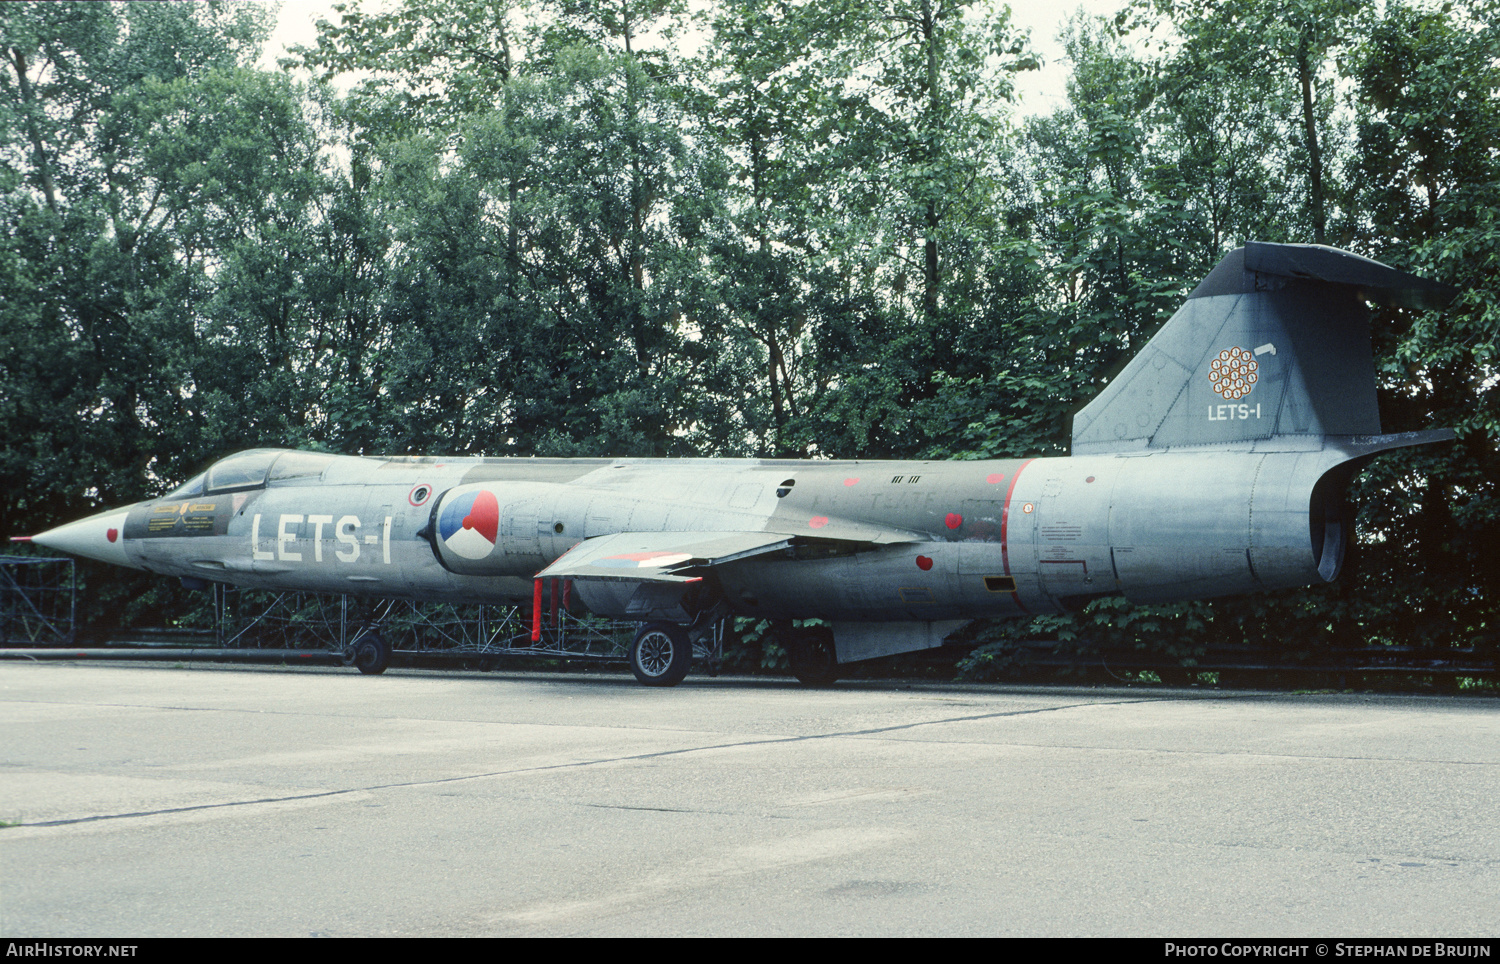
x=247 y=470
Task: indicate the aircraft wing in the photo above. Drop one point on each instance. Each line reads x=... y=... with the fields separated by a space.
x=659 y=556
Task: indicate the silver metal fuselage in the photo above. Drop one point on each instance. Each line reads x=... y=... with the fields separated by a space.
x=872 y=541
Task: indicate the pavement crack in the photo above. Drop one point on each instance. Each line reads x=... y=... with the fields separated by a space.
x=95 y=818
x=621 y=806
x=629 y=758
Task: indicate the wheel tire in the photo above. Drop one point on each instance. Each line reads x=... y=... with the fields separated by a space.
x=813 y=658
x=661 y=654
x=371 y=654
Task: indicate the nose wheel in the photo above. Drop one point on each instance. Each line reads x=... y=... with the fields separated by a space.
x=661 y=654
x=371 y=654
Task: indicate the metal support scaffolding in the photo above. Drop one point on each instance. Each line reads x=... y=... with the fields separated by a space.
x=256 y=619
x=37 y=601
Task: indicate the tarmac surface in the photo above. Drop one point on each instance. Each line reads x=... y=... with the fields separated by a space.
x=146 y=800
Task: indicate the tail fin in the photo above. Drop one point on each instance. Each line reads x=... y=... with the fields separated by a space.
x=1271 y=349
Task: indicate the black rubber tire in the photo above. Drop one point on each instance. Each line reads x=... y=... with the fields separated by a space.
x=661 y=654
x=813 y=658
x=371 y=654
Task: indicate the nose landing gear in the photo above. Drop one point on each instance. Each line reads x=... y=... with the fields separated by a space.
x=372 y=654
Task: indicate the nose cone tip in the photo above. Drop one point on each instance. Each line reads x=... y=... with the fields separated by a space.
x=99 y=537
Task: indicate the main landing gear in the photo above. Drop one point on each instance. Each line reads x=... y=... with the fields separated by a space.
x=661 y=654
x=811 y=653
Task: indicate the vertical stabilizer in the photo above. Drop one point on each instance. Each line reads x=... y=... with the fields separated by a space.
x=1272 y=348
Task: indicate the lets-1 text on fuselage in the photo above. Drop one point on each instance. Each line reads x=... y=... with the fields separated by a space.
x=1214 y=464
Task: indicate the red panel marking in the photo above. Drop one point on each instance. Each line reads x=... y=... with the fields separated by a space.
x=851 y=481
x=995 y=478
x=818 y=521
x=413 y=498
x=112 y=534
x=1089 y=479
x=1005 y=530
x=924 y=563
x=954 y=520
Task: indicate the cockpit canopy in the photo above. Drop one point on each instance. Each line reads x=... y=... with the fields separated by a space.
x=253 y=470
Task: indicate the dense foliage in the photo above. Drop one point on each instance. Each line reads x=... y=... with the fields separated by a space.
x=761 y=227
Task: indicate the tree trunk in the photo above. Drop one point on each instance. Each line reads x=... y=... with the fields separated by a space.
x=30 y=107
x=1310 y=127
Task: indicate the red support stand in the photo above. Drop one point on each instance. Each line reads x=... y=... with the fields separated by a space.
x=536 y=611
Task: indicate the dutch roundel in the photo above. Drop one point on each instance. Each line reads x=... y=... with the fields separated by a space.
x=470 y=523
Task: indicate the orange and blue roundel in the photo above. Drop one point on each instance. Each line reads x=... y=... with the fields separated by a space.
x=469 y=524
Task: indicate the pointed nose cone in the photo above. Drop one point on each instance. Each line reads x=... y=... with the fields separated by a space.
x=99 y=537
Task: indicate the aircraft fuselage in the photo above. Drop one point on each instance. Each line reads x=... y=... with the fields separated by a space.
x=871 y=540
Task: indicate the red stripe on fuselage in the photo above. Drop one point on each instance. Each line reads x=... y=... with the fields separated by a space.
x=1005 y=530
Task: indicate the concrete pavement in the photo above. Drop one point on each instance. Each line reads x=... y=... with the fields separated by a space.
x=153 y=800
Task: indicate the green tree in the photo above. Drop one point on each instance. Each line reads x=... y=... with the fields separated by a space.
x=1427 y=187
x=135 y=153
x=108 y=235
x=1281 y=55
x=541 y=296
x=862 y=140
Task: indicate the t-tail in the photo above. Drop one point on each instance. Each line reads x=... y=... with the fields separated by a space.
x=1250 y=411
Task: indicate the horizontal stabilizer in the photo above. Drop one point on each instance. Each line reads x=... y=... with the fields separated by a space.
x=1374 y=281
x=1367 y=446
